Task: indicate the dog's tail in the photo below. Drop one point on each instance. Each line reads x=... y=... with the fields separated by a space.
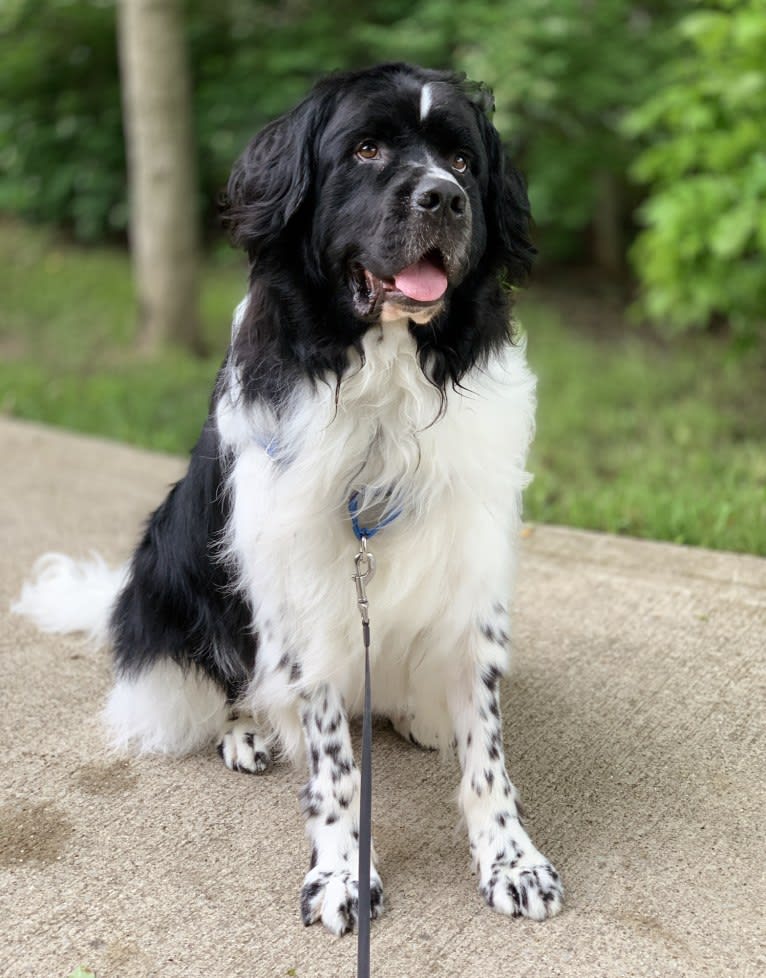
x=161 y=709
x=67 y=595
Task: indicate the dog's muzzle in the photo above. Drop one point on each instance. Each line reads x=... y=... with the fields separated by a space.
x=430 y=259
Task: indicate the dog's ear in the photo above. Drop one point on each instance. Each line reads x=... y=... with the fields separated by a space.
x=273 y=177
x=506 y=208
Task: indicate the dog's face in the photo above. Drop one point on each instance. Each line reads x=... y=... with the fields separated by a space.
x=385 y=195
x=398 y=214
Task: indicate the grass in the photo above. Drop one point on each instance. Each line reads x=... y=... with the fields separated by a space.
x=634 y=436
x=66 y=332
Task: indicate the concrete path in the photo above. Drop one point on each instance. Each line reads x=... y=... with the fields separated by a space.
x=634 y=729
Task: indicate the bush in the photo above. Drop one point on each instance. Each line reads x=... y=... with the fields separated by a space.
x=702 y=253
x=562 y=82
x=61 y=149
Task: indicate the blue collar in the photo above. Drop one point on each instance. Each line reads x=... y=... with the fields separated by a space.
x=368 y=532
x=273 y=449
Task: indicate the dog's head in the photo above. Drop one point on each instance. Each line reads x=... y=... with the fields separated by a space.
x=386 y=194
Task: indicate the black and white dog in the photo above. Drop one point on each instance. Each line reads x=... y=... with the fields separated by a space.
x=371 y=365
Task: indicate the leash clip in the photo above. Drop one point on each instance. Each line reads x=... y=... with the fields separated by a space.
x=365 y=571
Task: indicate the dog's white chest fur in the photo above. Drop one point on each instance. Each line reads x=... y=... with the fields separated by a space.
x=444 y=564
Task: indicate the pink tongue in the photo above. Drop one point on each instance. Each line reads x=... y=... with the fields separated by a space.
x=422 y=281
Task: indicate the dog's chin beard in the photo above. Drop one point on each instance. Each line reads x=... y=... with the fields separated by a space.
x=416 y=292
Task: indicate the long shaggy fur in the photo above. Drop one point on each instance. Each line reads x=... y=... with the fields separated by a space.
x=371 y=357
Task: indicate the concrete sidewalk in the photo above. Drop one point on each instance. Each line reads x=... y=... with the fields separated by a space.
x=634 y=730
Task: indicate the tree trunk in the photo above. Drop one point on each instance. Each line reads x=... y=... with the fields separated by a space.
x=608 y=239
x=164 y=219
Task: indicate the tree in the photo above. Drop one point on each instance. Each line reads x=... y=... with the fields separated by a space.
x=164 y=218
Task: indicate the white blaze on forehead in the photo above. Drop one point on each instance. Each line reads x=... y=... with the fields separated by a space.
x=426 y=99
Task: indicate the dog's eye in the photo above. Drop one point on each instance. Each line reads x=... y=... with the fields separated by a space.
x=368 y=150
x=459 y=163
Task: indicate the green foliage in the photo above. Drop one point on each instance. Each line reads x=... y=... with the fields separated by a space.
x=588 y=92
x=565 y=74
x=563 y=81
x=702 y=254
x=61 y=150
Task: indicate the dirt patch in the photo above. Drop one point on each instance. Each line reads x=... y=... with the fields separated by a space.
x=106 y=779
x=32 y=834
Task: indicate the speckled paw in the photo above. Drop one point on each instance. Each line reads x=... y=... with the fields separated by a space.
x=524 y=891
x=332 y=896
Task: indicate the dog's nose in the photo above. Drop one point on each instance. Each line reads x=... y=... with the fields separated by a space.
x=438 y=196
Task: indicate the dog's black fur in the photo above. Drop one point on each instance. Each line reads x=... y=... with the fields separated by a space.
x=179 y=600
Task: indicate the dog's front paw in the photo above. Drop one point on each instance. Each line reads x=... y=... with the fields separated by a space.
x=521 y=890
x=332 y=896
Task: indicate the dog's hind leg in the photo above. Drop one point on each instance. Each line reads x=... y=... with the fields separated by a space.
x=165 y=709
x=243 y=745
x=424 y=722
x=407 y=726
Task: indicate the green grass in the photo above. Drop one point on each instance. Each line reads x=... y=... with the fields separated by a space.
x=665 y=442
x=66 y=332
x=634 y=437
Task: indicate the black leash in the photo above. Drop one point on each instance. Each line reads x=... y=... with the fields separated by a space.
x=365 y=823
x=365 y=570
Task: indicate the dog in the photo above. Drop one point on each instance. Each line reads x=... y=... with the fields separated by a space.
x=372 y=381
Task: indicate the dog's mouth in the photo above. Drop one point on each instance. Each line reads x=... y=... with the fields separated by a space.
x=418 y=286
